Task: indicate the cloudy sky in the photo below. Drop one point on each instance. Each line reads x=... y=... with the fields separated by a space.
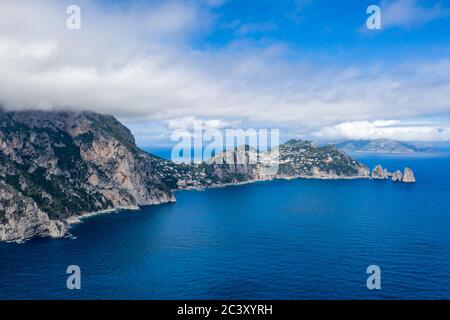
x=307 y=67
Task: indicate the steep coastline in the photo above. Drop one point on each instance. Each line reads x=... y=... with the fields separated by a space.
x=58 y=167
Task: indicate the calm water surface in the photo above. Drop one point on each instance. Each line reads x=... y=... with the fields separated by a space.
x=300 y=239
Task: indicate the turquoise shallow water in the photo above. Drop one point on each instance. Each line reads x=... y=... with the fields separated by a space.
x=299 y=239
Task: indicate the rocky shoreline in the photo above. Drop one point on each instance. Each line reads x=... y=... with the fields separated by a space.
x=79 y=219
x=57 y=231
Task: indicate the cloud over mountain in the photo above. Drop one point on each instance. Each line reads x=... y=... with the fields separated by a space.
x=148 y=62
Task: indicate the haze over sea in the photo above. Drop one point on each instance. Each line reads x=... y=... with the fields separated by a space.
x=297 y=239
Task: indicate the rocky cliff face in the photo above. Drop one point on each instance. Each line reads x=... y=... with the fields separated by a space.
x=55 y=165
x=21 y=218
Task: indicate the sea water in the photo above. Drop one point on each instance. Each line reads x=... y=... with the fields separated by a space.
x=297 y=239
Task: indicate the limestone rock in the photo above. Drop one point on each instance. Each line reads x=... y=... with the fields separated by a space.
x=397 y=176
x=379 y=173
x=21 y=218
x=57 y=165
x=408 y=176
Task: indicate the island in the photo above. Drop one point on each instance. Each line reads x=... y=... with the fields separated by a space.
x=58 y=167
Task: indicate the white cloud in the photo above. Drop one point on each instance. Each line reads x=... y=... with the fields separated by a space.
x=409 y=13
x=139 y=64
x=189 y=122
x=382 y=129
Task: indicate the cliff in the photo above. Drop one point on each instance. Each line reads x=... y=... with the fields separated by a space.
x=56 y=165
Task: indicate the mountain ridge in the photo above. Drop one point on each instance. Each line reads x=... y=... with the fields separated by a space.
x=380 y=146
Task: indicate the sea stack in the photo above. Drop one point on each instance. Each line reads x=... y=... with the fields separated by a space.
x=408 y=176
x=397 y=176
x=379 y=173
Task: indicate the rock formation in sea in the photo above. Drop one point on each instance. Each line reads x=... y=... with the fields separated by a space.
x=397 y=176
x=379 y=173
x=408 y=176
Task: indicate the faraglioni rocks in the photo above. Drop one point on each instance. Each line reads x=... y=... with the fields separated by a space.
x=408 y=176
x=397 y=176
x=56 y=167
x=379 y=173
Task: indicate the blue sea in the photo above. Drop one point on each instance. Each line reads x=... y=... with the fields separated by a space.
x=298 y=239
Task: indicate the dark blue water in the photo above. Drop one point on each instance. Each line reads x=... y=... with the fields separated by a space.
x=274 y=240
